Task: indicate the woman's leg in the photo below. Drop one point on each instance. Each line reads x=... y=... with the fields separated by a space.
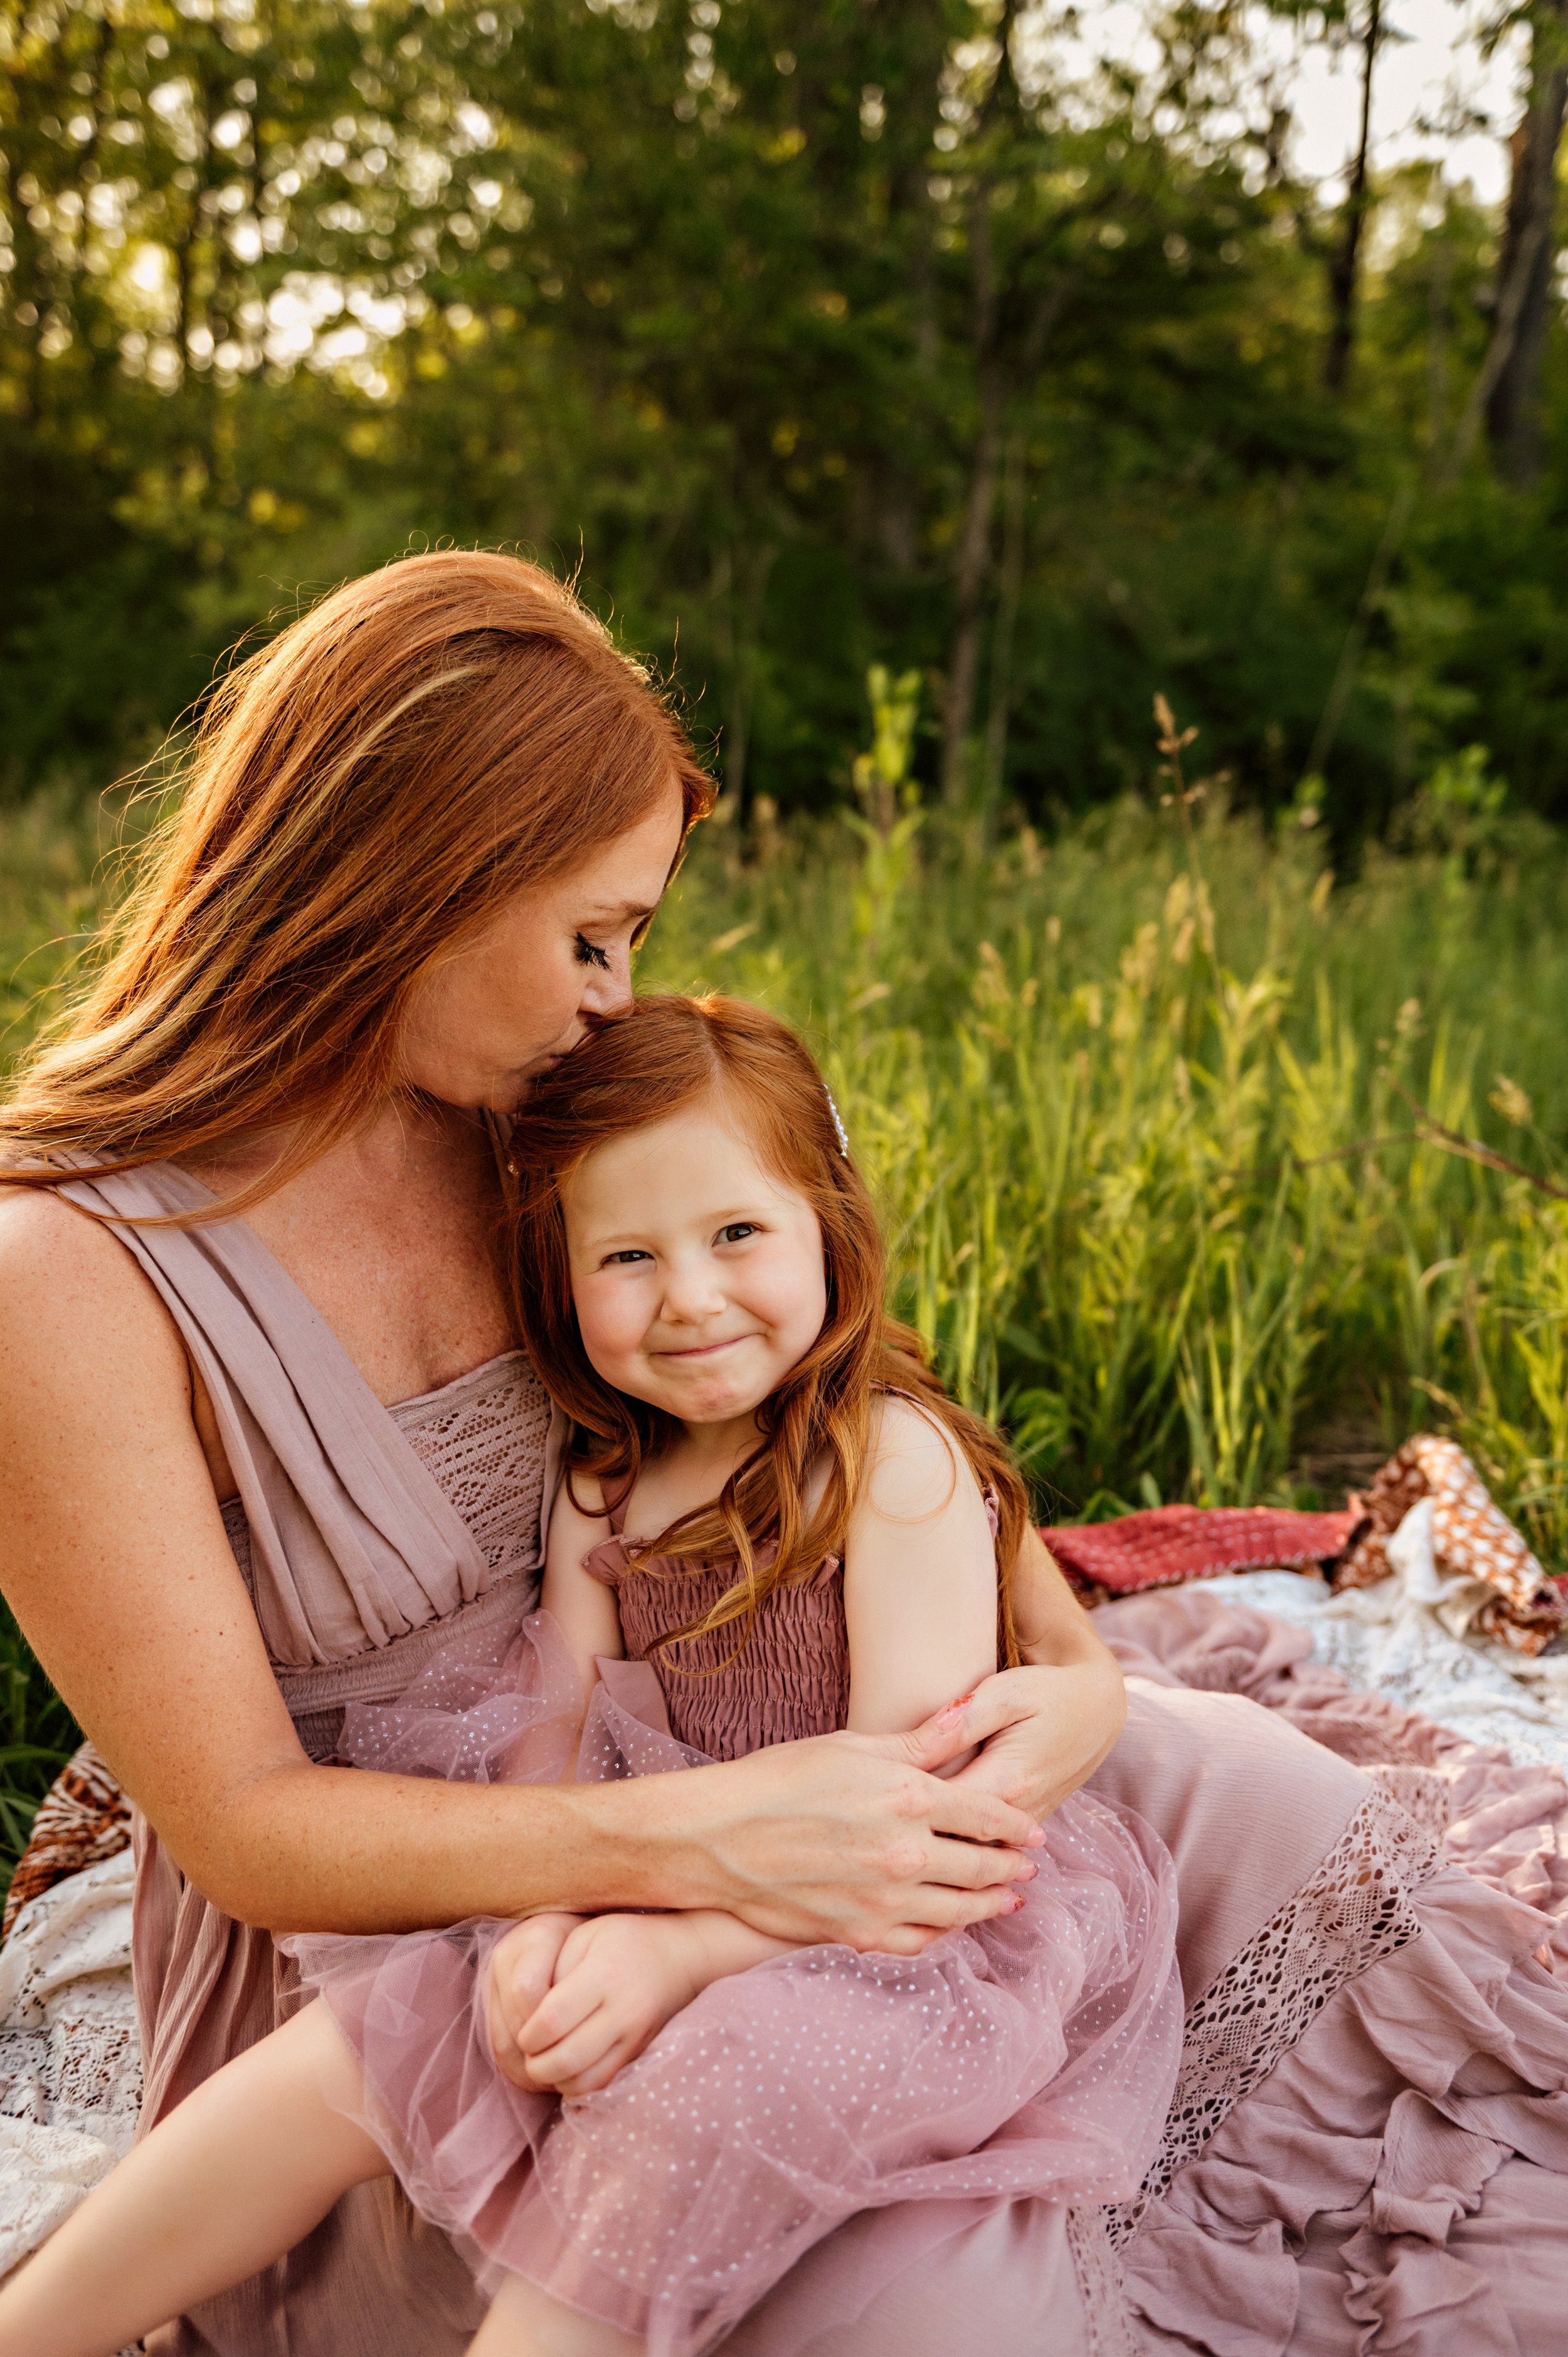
x=526 y=2322
x=245 y=2166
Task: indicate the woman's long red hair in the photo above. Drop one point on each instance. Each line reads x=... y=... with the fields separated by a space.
x=363 y=793
x=669 y=1053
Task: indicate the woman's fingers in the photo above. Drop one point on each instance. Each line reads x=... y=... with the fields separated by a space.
x=1042 y=1729
x=972 y=1866
x=966 y=1813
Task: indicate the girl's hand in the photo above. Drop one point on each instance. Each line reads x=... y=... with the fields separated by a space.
x=521 y=1967
x=618 y=1979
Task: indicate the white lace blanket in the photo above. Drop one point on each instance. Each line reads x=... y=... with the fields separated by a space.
x=71 y=2065
x=1409 y=1638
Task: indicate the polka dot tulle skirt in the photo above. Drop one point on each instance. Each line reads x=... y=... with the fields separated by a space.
x=1034 y=2055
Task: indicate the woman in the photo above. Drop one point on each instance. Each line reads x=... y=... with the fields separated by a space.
x=258 y=1466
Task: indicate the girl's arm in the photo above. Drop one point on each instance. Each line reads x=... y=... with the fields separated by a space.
x=581 y=1607
x=919 y=1577
x=113 y=1556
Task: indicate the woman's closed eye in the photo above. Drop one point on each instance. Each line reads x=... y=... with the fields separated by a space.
x=589 y=953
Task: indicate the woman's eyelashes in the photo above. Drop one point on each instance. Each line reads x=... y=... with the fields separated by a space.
x=589 y=953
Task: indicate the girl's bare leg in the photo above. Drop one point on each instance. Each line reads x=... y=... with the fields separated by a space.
x=240 y=2172
x=526 y=2322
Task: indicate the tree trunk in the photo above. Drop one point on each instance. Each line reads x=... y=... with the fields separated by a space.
x=1513 y=405
x=1015 y=493
x=1344 y=270
x=976 y=559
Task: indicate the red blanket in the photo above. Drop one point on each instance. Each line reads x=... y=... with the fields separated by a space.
x=1172 y=1543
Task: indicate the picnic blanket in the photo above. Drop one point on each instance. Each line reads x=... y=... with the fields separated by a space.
x=1421 y=1629
x=1498 y=1587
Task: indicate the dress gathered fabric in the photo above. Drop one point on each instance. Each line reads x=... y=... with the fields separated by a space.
x=1366 y=2150
x=1031 y=2058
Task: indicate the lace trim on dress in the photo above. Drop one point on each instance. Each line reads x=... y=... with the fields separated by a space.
x=1108 y=2325
x=1352 y=1913
x=483 y=1440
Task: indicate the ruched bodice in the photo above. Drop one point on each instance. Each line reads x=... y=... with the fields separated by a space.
x=789 y=1678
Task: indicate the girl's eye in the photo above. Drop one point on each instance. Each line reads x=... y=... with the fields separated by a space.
x=737 y=1231
x=624 y=1259
x=589 y=953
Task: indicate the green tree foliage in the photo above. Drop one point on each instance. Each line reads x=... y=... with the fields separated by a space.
x=818 y=336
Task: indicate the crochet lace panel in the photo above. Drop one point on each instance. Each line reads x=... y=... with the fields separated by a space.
x=1108 y=2326
x=1354 y=1911
x=483 y=1439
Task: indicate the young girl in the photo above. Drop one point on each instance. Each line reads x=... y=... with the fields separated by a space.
x=774 y=1523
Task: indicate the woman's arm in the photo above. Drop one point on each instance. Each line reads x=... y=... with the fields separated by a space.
x=113 y=1556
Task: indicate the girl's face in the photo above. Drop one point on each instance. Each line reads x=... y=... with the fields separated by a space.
x=520 y=995
x=697 y=1273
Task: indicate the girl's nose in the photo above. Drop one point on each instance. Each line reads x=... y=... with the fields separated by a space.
x=692 y=1294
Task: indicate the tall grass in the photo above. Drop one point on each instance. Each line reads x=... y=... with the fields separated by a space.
x=1121 y=1093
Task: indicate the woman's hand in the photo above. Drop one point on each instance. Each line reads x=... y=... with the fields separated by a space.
x=845 y=1838
x=1045 y=1728
x=1043 y=1731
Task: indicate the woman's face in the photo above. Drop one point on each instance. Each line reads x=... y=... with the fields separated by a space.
x=517 y=997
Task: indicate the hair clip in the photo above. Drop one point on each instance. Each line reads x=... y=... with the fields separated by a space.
x=839 y=1130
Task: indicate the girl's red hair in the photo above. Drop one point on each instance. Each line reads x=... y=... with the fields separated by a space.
x=669 y=1053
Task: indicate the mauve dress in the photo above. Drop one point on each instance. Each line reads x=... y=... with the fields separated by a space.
x=1032 y=2057
x=1368 y=2151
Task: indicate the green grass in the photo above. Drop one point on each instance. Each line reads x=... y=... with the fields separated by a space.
x=1114 y=1090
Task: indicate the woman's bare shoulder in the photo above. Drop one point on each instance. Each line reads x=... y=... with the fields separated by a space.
x=67 y=1283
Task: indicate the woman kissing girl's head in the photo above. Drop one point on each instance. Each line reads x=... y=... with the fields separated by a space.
x=693 y=1246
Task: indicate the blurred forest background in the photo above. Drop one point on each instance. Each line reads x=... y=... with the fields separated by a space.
x=819 y=333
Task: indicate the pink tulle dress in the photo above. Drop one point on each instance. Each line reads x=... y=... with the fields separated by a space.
x=1031 y=2056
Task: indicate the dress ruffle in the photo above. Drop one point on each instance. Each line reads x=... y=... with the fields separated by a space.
x=1029 y=2057
x=1399 y=2180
